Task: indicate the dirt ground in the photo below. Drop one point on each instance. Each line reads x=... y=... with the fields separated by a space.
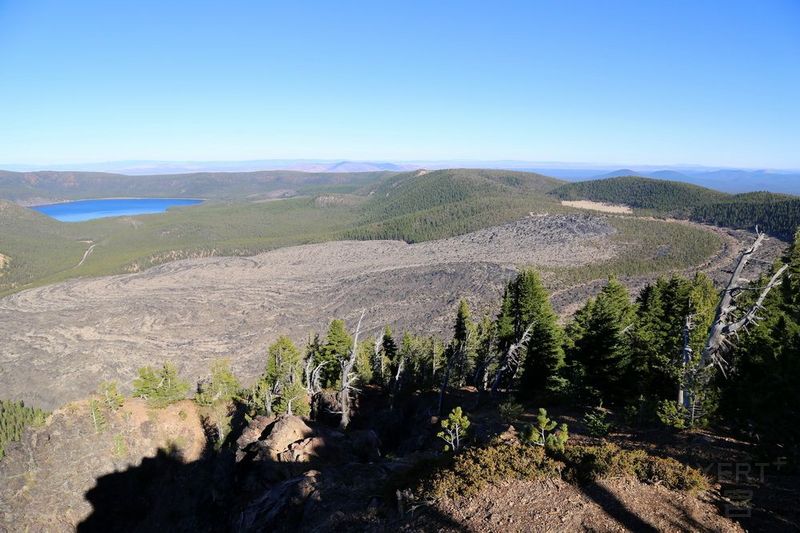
x=554 y=505
x=598 y=206
x=60 y=341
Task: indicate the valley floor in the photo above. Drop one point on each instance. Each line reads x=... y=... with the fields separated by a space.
x=61 y=340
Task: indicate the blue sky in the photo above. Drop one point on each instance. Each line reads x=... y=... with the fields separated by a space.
x=633 y=82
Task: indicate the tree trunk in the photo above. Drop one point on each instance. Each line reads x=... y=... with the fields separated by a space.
x=347 y=377
x=723 y=325
x=686 y=359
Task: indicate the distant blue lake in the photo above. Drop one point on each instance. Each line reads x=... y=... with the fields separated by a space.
x=109 y=207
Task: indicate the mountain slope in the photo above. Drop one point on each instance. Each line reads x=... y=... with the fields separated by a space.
x=425 y=205
x=33 y=245
x=641 y=193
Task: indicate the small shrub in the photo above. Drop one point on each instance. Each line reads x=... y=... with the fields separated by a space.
x=586 y=464
x=672 y=474
x=475 y=467
x=672 y=415
x=556 y=441
x=182 y=415
x=454 y=429
x=97 y=416
x=540 y=433
x=467 y=473
x=596 y=422
x=110 y=395
x=510 y=410
x=120 y=447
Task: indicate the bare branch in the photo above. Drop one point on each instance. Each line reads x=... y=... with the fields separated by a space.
x=511 y=359
x=347 y=377
x=720 y=327
x=750 y=317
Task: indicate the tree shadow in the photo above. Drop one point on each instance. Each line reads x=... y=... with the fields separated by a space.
x=616 y=509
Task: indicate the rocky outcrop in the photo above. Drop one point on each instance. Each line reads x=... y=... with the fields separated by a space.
x=293 y=468
x=252 y=433
x=281 y=434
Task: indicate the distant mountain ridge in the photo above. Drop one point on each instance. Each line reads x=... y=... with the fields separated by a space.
x=53 y=186
x=144 y=168
x=726 y=180
x=732 y=180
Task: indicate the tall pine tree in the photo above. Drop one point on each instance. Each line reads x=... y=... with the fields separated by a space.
x=463 y=345
x=334 y=350
x=599 y=351
x=526 y=305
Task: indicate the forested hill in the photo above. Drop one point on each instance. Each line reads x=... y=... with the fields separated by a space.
x=641 y=193
x=422 y=205
x=44 y=186
x=778 y=214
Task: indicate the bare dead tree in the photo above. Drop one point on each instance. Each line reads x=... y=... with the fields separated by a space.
x=511 y=360
x=686 y=360
x=725 y=324
x=728 y=322
x=308 y=369
x=348 y=376
x=481 y=374
x=312 y=375
x=397 y=380
x=377 y=359
x=433 y=360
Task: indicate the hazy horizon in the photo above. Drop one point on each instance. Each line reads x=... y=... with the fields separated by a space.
x=279 y=163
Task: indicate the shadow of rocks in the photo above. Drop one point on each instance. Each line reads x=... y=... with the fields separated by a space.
x=281 y=474
x=161 y=494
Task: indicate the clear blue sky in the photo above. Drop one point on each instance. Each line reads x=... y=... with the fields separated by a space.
x=670 y=82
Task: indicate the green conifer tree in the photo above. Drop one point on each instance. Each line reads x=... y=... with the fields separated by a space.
x=97 y=416
x=160 y=387
x=601 y=348
x=335 y=349
x=463 y=345
x=485 y=360
x=364 y=361
x=389 y=346
x=544 y=352
x=222 y=387
x=280 y=388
